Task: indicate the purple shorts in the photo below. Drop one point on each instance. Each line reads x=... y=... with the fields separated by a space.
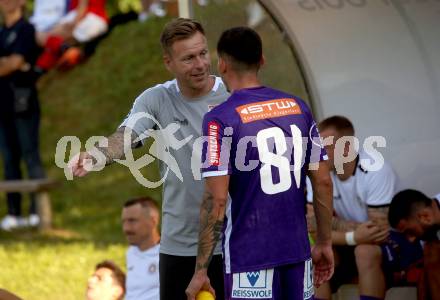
x=287 y=282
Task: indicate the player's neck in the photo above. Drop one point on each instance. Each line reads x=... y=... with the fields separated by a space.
x=192 y=93
x=245 y=81
x=12 y=17
x=149 y=243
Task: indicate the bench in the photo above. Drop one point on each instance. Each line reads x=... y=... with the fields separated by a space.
x=41 y=188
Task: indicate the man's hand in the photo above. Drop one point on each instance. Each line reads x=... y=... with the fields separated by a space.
x=199 y=282
x=11 y=63
x=369 y=233
x=78 y=162
x=323 y=263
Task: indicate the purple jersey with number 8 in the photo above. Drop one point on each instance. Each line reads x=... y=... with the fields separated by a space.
x=265 y=140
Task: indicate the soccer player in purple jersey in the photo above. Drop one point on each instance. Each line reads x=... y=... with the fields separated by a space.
x=261 y=143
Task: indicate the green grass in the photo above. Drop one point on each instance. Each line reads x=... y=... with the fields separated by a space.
x=55 y=270
x=93 y=99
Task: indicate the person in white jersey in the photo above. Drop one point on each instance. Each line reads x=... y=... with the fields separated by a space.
x=140 y=223
x=178 y=106
x=361 y=234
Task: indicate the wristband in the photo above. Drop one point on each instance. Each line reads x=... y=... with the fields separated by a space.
x=349 y=238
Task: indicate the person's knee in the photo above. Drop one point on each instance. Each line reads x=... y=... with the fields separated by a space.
x=323 y=292
x=367 y=256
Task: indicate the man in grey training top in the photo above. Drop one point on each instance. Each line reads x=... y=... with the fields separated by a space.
x=177 y=108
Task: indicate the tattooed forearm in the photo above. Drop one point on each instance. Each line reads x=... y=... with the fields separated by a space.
x=337 y=224
x=378 y=211
x=343 y=225
x=211 y=224
x=115 y=149
x=379 y=215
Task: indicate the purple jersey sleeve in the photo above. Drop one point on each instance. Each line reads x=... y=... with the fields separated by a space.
x=216 y=149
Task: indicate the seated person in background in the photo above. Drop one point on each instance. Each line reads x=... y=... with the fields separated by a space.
x=418 y=217
x=140 y=223
x=360 y=235
x=85 y=21
x=106 y=283
x=47 y=14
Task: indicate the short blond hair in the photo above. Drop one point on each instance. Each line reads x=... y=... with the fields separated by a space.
x=179 y=29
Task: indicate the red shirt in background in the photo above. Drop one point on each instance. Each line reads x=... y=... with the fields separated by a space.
x=94 y=6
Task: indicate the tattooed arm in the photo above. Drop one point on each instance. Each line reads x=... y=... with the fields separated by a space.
x=373 y=231
x=212 y=213
x=339 y=228
x=379 y=215
x=343 y=225
x=114 y=150
x=337 y=223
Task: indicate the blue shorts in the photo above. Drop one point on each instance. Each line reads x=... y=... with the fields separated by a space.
x=400 y=256
x=287 y=282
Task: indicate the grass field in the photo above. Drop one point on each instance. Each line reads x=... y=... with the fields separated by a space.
x=92 y=99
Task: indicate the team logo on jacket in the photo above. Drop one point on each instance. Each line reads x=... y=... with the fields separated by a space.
x=268 y=109
x=252 y=285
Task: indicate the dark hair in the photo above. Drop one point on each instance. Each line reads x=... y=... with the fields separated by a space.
x=340 y=123
x=146 y=202
x=179 y=29
x=242 y=46
x=405 y=204
x=117 y=273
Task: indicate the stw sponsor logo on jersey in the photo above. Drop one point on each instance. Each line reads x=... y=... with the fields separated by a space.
x=268 y=109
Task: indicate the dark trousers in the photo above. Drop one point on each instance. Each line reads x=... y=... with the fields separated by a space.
x=176 y=273
x=19 y=140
